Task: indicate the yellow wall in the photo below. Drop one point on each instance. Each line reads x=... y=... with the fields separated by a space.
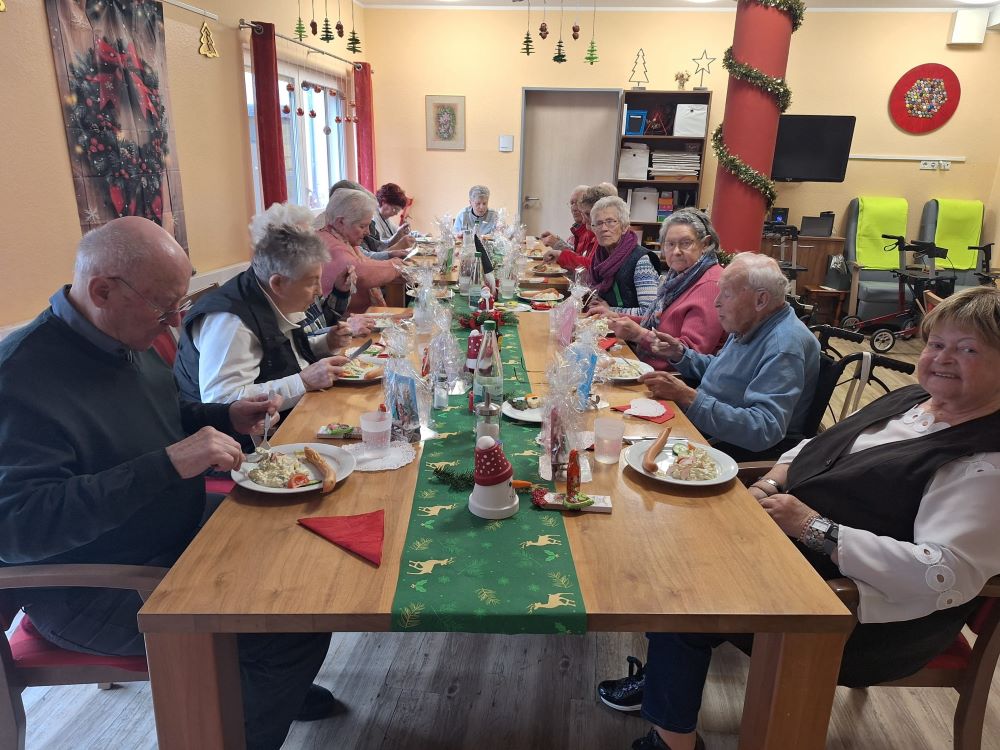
x=211 y=140
x=840 y=63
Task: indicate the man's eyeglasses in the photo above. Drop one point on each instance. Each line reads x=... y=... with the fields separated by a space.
x=609 y=223
x=165 y=315
x=684 y=245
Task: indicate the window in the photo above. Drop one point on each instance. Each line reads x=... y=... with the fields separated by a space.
x=314 y=158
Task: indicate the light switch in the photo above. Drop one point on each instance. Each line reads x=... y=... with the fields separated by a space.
x=506 y=143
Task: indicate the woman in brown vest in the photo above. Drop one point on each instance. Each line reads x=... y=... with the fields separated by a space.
x=900 y=497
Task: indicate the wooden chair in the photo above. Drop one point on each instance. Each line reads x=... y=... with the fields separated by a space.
x=28 y=660
x=967 y=669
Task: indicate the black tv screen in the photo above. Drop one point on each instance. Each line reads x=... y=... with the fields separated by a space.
x=812 y=148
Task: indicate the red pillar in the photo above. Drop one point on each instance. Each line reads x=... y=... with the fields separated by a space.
x=761 y=39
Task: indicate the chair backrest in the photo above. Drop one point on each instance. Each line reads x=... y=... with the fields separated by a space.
x=954 y=225
x=868 y=218
x=165 y=343
x=826 y=381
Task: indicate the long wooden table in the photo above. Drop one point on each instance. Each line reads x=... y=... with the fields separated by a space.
x=666 y=559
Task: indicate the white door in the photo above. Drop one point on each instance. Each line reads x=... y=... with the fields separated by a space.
x=569 y=137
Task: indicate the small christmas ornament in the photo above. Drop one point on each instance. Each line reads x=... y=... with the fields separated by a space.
x=703 y=65
x=493 y=495
x=486 y=299
x=327 y=35
x=527 y=46
x=353 y=42
x=560 y=55
x=286 y=109
x=300 y=112
x=576 y=31
x=318 y=89
x=639 y=77
x=543 y=30
x=338 y=119
x=313 y=26
x=340 y=29
x=207 y=47
x=472 y=352
x=326 y=130
x=289 y=87
x=300 y=27
x=3 y=6
x=312 y=113
x=591 y=57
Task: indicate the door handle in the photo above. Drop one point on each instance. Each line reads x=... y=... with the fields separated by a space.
x=528 y=199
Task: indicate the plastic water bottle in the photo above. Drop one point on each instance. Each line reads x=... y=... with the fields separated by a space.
x=476 y=281
x=488 y=376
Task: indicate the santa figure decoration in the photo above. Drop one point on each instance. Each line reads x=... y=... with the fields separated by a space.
x=486 y=299
x=493 y=496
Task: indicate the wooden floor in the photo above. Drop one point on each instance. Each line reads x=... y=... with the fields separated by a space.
x=410 y=691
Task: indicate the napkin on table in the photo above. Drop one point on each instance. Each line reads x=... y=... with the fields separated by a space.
x=361 y=534
x=666 y=416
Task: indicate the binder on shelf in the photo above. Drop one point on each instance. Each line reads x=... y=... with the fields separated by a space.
x=691 y=120
x=633 y=163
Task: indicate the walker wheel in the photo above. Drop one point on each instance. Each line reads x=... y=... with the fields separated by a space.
x=851 y=323
x=883 y=340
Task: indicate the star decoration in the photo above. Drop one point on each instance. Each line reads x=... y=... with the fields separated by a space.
x=90 y=216
x=703 y=62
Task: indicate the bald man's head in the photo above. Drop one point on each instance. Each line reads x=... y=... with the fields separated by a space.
x=130 y=246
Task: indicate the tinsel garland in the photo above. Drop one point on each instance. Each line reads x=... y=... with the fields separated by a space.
x=775 y=87
x=741 y=170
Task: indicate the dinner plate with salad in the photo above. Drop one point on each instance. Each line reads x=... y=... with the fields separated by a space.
x=625 y=370
x=682 y=462
x=295 y=468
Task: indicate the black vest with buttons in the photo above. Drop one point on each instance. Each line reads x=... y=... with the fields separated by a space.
x=880 y=489
x=243 y=297
x=625 y=279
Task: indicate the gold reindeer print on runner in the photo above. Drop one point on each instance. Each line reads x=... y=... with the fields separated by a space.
x=463 y=573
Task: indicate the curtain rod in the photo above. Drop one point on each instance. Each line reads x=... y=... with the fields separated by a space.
x=258 y=29
x=191 y=8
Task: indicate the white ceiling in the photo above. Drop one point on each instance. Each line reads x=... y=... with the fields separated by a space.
x=728 y=5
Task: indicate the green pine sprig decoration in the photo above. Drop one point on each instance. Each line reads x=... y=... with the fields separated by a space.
x=560 y=55
x=327 y=34
x=591 y=57
x=456 y=480
x=527 y=46
x=741 y=170
x=776 y=87
x=353 y=42
x=300 y=29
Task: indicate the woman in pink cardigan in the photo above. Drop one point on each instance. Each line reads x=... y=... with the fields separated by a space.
x=685 y=302
x=347 y=217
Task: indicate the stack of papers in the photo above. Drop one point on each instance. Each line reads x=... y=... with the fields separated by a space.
x=675 y=163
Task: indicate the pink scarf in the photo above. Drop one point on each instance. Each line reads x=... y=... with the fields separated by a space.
x=606 y=264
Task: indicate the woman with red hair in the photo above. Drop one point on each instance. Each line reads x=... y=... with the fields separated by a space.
x=391 y=201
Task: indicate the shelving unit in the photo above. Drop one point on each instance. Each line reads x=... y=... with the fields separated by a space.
x=686 y=190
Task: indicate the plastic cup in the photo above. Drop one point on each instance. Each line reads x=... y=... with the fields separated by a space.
x=376 y=428
x=608 y=434
x=507 y=287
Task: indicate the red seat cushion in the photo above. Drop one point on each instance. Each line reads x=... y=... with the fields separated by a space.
x=956 y=656
x=30 y=650
x=219 y=485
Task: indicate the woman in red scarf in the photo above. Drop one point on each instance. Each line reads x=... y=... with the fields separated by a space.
x=584 y=240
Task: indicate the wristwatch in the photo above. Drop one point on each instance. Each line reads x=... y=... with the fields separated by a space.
x=821 y=535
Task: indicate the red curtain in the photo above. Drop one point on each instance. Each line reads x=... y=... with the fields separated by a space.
x=269 y=141
x=365 y=126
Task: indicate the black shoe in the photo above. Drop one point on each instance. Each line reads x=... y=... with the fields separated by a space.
x=319 y=704
x=652 y=741
x=625 y=694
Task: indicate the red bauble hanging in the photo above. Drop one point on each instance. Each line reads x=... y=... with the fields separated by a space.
x=312 y=112
x=318 y=89
x=338 y=119
x=305 y=85
x=300 y=112
x=576 y=31
x=286 y=109
x=289 y=87
x=326 y=130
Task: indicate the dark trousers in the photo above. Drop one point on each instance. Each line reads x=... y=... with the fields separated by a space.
x=276 y=669
x=677 y=663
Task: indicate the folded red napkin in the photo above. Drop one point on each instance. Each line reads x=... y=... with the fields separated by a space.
x=607 y=343
x=361 y=534
x=541 y=306
x=665 y=417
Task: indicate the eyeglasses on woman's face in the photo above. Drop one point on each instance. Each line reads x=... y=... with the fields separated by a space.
x=684 y=245
x=608 y=223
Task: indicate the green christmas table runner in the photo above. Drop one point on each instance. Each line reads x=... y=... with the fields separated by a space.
x=463 y=573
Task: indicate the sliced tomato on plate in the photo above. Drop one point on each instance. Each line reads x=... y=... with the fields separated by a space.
x=297 y=480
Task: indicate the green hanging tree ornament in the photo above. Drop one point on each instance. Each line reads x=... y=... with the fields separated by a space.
x=527 y=47
x=353 y=42
x=591 y=57
x=560 y=55
x=327 y=34
x=300 y=29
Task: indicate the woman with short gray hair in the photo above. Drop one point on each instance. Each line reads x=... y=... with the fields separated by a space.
x=245 y=338
x=477 y=217
x=348 y=215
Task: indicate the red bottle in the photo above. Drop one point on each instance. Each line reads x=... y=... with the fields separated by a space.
x=573 y=475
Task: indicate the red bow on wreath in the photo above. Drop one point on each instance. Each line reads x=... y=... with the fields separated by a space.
x=109 y=57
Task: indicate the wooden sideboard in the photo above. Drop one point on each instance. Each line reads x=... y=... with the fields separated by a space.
x=813 y=253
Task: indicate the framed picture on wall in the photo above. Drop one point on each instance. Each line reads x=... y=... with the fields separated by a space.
x=445 y=123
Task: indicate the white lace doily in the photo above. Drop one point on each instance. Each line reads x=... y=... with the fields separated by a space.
x=398 y=454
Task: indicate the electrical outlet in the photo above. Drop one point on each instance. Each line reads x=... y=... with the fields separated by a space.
x=944 y=165
x=928 y=164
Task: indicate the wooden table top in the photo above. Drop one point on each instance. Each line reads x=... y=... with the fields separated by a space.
x=667 y=558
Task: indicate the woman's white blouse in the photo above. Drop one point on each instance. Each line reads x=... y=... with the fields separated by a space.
x=956 y=533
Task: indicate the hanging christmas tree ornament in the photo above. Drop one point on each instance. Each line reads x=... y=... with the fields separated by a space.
x=207 y=48
x=353 y=40
x=3 y=6
x=300 y=27
x=340 y=26
x=560 y=55
x=591 y=57
x=527 y=47
x=313 y=26
x=327 y=35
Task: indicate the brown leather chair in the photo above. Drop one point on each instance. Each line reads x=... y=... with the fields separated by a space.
x=967 y=669
x=28 y=660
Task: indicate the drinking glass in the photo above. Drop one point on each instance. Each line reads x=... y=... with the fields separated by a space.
x=608 y=434
x=376 y=428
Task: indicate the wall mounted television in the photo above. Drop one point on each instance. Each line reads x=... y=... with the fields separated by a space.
x=812 y=148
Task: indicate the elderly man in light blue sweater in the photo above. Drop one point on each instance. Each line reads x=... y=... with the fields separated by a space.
x=753 y=396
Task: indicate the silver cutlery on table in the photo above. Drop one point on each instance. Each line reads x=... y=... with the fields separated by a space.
x=359 y=351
